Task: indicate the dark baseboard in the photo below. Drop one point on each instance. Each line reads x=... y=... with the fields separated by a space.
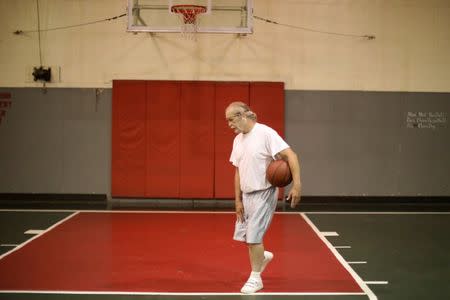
x=307 y=203
x=52 y=201
x=377 y=199
x=52 y=197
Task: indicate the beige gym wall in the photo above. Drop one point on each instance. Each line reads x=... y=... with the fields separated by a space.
x=410 y=52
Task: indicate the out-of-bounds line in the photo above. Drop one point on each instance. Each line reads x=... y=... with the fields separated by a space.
x=172 y=294
x=38 y=235
x=339 y=257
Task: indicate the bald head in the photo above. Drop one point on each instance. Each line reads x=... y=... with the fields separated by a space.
x=242 y=109
x=240 y=117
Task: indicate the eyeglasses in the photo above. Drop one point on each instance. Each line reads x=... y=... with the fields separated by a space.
x=233 y=118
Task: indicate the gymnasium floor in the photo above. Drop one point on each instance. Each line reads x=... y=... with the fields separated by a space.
x=112 y=254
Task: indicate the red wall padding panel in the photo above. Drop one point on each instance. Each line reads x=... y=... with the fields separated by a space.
x=267 y=100
x=128 y=164
x=170 y=139
x=163 y=139
x=197 y=140
x=226 y=92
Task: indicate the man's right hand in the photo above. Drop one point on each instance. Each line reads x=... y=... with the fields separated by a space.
x=239 y=211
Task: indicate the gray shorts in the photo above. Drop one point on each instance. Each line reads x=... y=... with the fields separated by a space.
x=259 y=207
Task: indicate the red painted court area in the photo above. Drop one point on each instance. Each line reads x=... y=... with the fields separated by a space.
x=170 y=252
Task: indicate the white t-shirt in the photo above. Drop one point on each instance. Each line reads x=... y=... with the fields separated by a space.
x=252 y=154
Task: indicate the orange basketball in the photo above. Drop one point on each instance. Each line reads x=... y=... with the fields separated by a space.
x=278 y=173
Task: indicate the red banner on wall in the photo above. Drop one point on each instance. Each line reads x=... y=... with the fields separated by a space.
x=5 y=104
x=5 y=95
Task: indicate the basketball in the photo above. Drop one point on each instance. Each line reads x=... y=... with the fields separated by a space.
x=278 y=173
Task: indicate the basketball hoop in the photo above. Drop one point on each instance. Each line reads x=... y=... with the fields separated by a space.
x=189 y=15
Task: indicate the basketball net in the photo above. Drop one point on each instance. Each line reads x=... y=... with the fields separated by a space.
x=189 y=16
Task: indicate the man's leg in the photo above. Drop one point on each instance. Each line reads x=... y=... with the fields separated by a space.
x=260 y=207
x=254 y=282
x=256 y=253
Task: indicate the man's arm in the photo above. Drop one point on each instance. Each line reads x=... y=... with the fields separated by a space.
x=238 y=196
x=291 y=157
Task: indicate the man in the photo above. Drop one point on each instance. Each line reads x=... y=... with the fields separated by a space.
x=254 y=147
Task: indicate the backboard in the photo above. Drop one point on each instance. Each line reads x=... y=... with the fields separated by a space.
x=221 y=16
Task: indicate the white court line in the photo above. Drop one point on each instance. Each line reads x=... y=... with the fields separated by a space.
x=175 y=294
x=378 y=213
x=131 y=211
x=329 y=233
x=9 y=245
x=356 y=262
x=34 y=231
x=232 y=212
x=376 y=282
x=38 y=235
x=342 y=247
x=355 y=276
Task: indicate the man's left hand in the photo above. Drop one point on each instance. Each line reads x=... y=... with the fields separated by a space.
x=294 y=196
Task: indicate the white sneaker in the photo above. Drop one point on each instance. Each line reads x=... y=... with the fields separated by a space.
x=268 y=256
x=252 y=286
